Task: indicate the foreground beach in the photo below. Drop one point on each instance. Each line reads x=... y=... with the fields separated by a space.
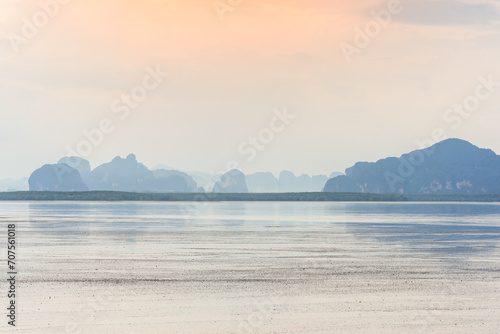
x=257 y=268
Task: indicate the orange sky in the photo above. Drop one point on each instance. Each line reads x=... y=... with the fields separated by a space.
x=227 y=76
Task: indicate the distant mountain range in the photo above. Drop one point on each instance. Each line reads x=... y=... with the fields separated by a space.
x=14 y=185
x=127 y=174
x=286 y=182
x=118 y=175
x=452 y=166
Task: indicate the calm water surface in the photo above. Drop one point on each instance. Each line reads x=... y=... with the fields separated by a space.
x=433 y=227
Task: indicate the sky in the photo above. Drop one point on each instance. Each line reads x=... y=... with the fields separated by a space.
x=263 y=85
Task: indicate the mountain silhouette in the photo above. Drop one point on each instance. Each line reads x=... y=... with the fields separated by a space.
x=231 y=182
x=57 y=177
x=453 y=166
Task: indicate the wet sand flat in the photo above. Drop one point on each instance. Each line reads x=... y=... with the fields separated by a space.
x=94 y=274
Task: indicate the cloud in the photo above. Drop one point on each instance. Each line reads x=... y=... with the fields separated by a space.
x=448 y=12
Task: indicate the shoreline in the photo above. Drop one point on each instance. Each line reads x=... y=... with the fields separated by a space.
x=118 y=196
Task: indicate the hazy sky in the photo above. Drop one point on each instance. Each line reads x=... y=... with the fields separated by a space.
x=232 y=65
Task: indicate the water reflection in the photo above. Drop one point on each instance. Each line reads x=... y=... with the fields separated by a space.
x=453 y=228
x=439 y=228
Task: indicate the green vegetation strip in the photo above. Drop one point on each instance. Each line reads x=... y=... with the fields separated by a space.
x=208 y=197
x=211 y=197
